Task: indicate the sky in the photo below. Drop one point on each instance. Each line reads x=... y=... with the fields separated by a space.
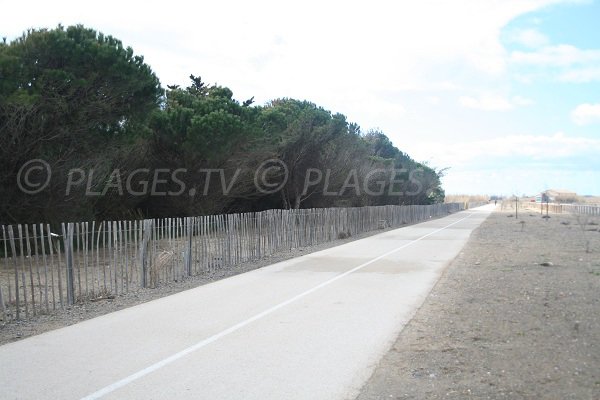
x=503 y=94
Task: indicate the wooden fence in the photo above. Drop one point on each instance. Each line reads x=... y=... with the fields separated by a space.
x=542 y=208
x=48 y=267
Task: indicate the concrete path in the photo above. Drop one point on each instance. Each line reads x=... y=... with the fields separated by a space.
x=313 y=327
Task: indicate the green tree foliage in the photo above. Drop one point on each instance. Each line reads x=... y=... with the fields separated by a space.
x=303 y=136
x=419 y=183
x=80 y=82
x=199 y=128
x=79 y=99
x=203 y=121
x=66 y=94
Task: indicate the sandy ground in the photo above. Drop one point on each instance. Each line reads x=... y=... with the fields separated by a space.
x=515 y=316
x=17 y=330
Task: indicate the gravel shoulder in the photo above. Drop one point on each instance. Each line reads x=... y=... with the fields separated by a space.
x=515 y=316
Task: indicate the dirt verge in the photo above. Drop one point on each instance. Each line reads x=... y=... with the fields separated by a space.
x=515 y=316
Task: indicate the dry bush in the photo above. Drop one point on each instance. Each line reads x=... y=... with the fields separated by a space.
x=344 y=235
x=159 y=264
x=583 y=221
x=589 y=200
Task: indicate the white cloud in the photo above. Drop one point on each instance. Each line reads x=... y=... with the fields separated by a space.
x=585 y=114
x=563 y=55
x=509 y=181
x=493 y=102
x=309 y=50
x=517 y=164
x=433 y=100
x=522 y=101
x=529 y=148
x=581 y=75
x=529 y=37
x=486 y=103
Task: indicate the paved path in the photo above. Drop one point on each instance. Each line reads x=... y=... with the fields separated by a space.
x=313 y=327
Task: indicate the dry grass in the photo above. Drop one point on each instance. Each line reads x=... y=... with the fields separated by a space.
x=589 y=199
x=465 y=198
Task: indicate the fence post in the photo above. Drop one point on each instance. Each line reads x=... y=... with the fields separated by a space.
x=188 y=248
x=11 y=235
x=146 y=234
x=68 y=244
x=2 y=305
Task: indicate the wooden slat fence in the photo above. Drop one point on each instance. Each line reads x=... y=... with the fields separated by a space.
x=46 y=267
x=593 y=210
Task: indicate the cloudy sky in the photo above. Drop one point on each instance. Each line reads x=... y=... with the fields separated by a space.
x=505 y=93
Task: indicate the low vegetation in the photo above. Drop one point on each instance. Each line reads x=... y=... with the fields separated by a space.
x=466 y=198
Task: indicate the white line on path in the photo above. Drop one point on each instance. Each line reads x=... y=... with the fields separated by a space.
x=166 y=361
